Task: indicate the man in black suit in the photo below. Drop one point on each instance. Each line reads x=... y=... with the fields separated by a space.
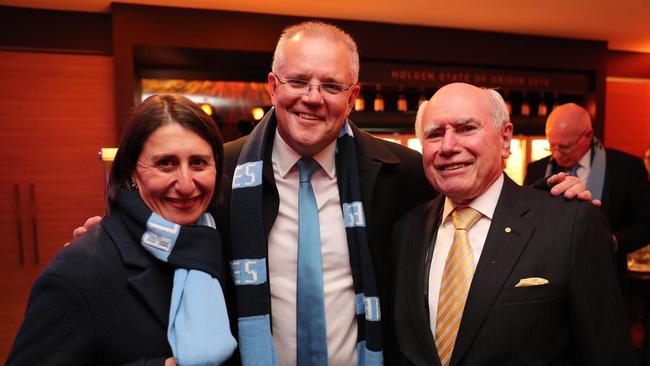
x=313 y=87
x=530 y=283
x=616 y=178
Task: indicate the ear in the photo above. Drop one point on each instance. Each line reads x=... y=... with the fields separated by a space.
x=274 y=84
x=506 y=136
x=354 y=93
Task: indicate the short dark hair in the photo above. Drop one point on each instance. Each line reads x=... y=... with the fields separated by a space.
x=151 y=114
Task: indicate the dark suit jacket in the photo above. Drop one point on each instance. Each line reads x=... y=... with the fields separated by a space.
x=577 y=319
x=626 y=197
x=392 y=183
x=103 y=300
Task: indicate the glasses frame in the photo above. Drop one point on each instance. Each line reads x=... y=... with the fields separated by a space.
x=309 y=85
x=565 y=148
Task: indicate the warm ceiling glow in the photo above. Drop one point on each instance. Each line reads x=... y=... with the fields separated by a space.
x=258 y=113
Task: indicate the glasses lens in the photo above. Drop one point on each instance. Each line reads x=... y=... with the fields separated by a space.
x=301 y=87
x=298 y=86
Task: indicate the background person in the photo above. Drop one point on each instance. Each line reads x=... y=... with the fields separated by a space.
x=144 y=284
x=491 y=273
x=614 y=177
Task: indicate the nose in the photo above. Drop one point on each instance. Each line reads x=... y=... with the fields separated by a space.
x=556 y=154
x=449 y=142
x=313 y=95
x=185 y=181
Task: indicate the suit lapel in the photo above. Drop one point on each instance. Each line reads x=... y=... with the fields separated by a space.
x=371 y=156
x=426 y=341
x=508 y=236
x=607 y=186
x=145 y=276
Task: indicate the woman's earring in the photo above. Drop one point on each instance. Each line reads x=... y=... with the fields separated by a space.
x=133 y=185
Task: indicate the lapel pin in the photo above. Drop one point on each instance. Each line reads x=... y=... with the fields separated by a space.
x=508 y=230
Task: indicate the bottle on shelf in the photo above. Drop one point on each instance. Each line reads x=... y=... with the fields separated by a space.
x=525 y=105
x=542 y=107
x=378 y=104
x=359 y=103
x=422 y=99
x=402 y=104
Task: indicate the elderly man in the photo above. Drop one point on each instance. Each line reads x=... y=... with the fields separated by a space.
x=614 y=177
x=491 y=273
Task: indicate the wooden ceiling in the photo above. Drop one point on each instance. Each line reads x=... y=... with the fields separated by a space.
x=624 y=24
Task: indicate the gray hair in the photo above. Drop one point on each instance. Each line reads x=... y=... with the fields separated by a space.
x=317 y=29
x=498 y=110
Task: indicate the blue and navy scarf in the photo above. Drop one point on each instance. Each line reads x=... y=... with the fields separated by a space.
x=249 y=250
x=198 y=331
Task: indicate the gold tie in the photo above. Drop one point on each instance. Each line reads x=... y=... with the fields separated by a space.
x=456 y=279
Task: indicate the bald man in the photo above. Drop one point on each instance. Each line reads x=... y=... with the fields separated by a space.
x=618 y=179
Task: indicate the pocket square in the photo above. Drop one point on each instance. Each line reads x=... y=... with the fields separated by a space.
x=531 y=281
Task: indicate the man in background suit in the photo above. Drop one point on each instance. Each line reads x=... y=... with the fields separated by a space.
x=616 y=178
x=530 y=283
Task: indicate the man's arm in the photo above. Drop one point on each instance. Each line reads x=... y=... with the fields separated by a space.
x=76 y=233
x=599 y=323
x=569 y=186
x=633 y=231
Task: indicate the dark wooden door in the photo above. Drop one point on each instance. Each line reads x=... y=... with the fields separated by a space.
x=56 y=111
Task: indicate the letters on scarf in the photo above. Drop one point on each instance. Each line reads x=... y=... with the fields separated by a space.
x=249 y=249
x=199 y=330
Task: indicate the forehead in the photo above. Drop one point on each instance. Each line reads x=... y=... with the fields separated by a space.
x=456 y=108
x=316 y=56
x=170 y=136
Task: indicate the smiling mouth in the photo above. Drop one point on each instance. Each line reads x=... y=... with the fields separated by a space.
x=308 y=116
x=183 y=202
x=450 y=167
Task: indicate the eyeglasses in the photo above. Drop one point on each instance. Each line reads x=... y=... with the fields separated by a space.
x=302 y=87
x=565 y=148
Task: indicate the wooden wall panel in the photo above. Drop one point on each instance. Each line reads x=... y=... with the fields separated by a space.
x=56 y=111
x=627 y=115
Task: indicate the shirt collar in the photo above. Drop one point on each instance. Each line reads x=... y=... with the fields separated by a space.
x=485 y=203
x=284 y=157
x=585 y=160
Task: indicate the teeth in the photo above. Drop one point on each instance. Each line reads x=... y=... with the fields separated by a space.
x=453 y=167
x=183 y=201
x=307 y=116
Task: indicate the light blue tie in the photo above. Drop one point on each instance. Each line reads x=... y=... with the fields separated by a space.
x=310 y=333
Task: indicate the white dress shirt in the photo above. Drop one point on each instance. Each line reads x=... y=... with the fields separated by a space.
x=283 y=255
x=485 y=204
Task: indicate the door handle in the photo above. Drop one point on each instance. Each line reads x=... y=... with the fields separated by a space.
x=32 y=209
x=19 y=225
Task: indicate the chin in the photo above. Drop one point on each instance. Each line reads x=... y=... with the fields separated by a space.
x=184 y=219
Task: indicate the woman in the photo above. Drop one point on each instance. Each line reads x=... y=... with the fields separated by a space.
x=145 y=284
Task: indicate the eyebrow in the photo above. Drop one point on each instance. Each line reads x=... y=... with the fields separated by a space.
x=168 y=156
x=308 y=78
x=459 y=122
